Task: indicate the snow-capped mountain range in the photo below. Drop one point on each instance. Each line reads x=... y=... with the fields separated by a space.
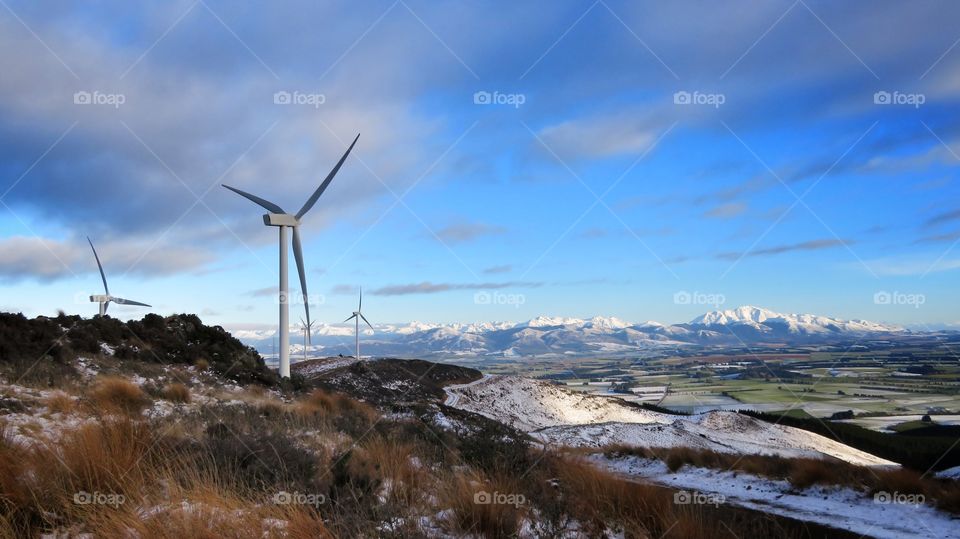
x=575 y=336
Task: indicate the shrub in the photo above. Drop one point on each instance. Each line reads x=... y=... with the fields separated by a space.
x=261 y=461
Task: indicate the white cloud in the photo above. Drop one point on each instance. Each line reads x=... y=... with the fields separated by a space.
x=898 y=267
x=598 y=136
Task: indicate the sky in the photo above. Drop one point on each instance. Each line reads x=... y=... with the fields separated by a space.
x=644 y=160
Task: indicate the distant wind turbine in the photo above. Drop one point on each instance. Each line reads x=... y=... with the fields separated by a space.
x=307 y=328
x=356 y=316
x=283 y=220
x=105 y=298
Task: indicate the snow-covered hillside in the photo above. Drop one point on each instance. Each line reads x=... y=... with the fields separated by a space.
x=560 y=416
x=557 y=336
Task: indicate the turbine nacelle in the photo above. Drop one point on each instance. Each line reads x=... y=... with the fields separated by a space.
x=280 y=219
x=101 y=298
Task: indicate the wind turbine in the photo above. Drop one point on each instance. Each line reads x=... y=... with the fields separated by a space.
x=283 y=220
x=356 y=316
x=105 y=298
x=307 y=328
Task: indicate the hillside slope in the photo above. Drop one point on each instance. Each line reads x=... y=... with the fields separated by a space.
x=559 y=416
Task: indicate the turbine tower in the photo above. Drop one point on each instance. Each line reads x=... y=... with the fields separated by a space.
x=283 y=220
x=356 y=316
x=105 y=298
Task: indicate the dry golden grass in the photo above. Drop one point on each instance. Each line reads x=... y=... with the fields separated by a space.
x=392 y=460
x=39 y=485
x=805 y=473
x=201 y=364
x=324 y=406
x=902 y=480
x=115 y=394
x=176 y=392
x=60 y=403
x=112 y=456
x=467 y=495
x=949 y=498
x=641 y=510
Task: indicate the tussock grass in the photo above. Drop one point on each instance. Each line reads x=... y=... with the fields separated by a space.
x=116 y=394
x=60 y=403
x=396 y=464
x=474 y=509
x=176 y=392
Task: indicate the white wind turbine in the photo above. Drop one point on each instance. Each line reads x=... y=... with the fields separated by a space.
x=307 y=329
x=105 y=298
x=283 y=220
x=356 y=316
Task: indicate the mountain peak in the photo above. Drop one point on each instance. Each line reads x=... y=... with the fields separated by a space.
x=607 y=322
x=552 y=321
x=745 y=313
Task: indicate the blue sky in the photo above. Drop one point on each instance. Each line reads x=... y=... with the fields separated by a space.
x=588 y=186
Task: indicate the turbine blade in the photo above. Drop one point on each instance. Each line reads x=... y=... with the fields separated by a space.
x=323 y=186
x=298 y=255
x=102 y=276
x=270 y=206
x=352 y=316
x=367 y=321
x=122 y=301
x=106 y=304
